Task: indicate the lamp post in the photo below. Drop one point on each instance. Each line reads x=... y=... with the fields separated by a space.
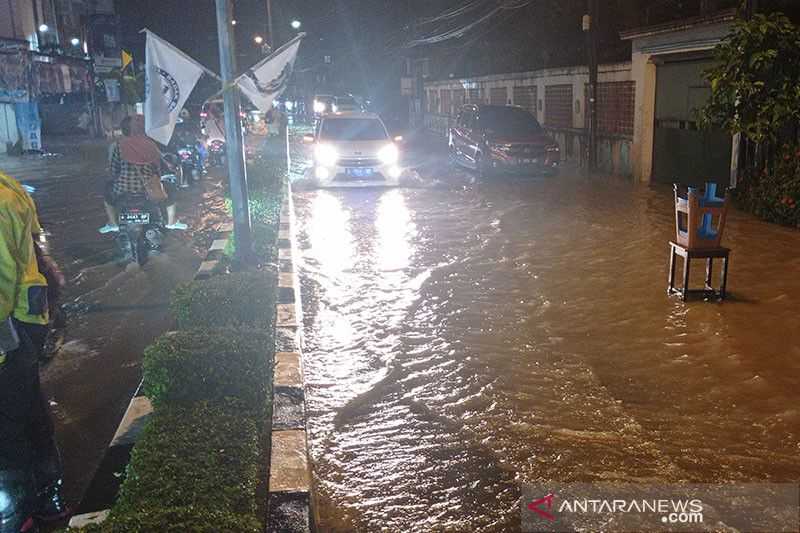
x=590 y=28
x=270 y=34
x=296 y=24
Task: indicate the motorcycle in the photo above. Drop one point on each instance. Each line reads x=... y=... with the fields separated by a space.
x=191 y=164
x=141 y=227
x=217 y=153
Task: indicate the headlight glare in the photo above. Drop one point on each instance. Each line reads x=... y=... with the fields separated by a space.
x=326 y=155
x=389 y=154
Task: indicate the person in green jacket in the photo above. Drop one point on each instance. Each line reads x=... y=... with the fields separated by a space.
x=30 y=464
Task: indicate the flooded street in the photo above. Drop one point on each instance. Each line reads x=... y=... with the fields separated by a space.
x=113 y=311
x=466 y=338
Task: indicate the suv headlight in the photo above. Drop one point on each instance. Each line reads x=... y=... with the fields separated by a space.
x=326 y=155
x=389 y=154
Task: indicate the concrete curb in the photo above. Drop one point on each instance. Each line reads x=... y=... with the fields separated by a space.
x=104 y=487
x=289 y=499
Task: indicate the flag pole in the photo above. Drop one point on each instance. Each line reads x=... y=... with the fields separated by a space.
x=233 y=137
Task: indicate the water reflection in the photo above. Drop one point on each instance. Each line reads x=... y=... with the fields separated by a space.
x=329 y=234
x=395 y=231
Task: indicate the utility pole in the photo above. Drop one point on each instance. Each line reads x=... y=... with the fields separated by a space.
x=590 y=28
x=233 y=136
x=270 y=35
x=750 y=8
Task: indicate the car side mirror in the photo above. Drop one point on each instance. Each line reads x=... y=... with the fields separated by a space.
x=308 y=139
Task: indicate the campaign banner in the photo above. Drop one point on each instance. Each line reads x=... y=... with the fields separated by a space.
x=29 y=125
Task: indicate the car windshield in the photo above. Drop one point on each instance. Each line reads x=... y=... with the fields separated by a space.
x=508 y=121
x=353 y=129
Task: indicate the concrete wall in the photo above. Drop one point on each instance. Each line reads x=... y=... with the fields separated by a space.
x=614 y=150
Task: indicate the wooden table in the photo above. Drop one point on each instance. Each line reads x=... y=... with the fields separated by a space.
x=709 y=254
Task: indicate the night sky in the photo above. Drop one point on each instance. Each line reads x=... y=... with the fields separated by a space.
x=366 y=38
x=354 y=32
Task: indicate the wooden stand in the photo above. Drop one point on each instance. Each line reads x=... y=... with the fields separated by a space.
x=709 y=254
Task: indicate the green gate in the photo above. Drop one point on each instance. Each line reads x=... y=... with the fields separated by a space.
x=682 y=153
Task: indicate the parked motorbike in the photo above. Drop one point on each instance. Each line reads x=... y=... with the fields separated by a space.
x=141 y=228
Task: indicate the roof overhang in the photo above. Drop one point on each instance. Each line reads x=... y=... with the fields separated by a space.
x=720 y=17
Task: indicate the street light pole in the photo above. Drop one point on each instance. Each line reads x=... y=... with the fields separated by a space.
x=270 y=35
x=233 y=136
x=590 y=26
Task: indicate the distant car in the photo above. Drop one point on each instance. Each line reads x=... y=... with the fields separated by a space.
x=490 y=139
x=346 y=104
x=353 y=149
x=323 y=103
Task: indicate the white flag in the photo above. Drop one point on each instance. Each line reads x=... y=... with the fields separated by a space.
x=267 y=80
x=171 y=77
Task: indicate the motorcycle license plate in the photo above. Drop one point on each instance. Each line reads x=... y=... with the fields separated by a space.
x=134 y=217
x=359 y=172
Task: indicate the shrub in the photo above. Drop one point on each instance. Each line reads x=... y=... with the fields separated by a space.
x=266 y=183
x=244 y=299
x=205 y=457
x=774 y=194
x=192 y=519
x=209 y=365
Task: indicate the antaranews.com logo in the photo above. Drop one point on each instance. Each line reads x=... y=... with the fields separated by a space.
x=667 y=508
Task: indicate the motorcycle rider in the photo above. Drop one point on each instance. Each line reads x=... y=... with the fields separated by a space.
x=30 y=464
x=188 y=134
x=134 y=160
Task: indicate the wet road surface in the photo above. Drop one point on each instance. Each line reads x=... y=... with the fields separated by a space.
x=467 y=337
x=114 y=312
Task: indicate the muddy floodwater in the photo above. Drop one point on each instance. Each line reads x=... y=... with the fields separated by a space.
x=463 y=340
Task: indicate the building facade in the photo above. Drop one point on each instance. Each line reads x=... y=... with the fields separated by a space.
x=47 y=84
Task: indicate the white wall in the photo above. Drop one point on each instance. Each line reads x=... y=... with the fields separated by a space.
x=578 y=77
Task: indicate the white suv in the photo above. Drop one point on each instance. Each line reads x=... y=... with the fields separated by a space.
x=352 y=149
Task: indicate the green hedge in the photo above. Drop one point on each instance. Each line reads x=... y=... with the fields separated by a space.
x=194 y=519
x=266 y=184
x=194 y=469
x=245 y=299
x=209 y=365
x=206 y=455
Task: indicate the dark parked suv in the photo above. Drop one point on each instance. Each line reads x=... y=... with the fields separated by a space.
x=490 y=138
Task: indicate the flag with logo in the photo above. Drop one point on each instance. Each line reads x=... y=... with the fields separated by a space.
x=267 y=80
x=171 y=77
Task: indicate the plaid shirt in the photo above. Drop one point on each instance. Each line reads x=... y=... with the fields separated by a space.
x=129 y=178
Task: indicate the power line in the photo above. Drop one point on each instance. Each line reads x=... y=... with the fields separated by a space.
x=460 y=32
